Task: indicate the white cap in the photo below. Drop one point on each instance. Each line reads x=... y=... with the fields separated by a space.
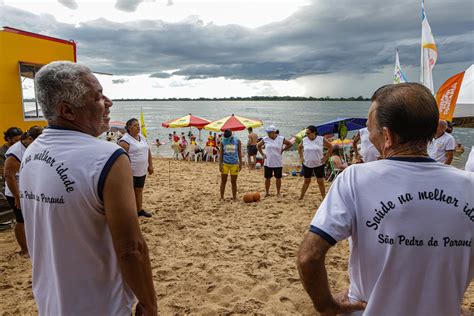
x=271 y=128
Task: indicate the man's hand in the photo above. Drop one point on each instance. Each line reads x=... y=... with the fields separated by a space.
x=240 y=166
x=150 y=170
x=344 y=306
x=140 y=310
x=221 y=168
x=17 y=202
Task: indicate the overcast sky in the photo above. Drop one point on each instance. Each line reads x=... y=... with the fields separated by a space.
x=193 y=48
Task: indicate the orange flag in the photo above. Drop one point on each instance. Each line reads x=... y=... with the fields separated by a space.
x=448 y=95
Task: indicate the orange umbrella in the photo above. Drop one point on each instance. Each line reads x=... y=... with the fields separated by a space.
x=186 y=121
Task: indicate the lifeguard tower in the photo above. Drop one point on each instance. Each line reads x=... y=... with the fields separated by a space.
x=21 y=56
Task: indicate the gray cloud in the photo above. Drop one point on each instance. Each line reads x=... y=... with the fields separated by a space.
x=161 y=75
x=320 y=38
x=119 y=81
x=71 y=4
x=170 y=3
x=127 y=5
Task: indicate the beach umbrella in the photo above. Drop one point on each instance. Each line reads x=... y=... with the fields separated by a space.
x=341 y=125
x=342 y=142
x=186 y=121
x=234 y=123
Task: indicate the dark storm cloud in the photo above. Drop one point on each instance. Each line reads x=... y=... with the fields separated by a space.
x=127 y=5
x=160 y=75
x=119 y=81
x=323 y=37
x=71 y=4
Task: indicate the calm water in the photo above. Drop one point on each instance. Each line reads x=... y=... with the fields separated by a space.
x=288 y=116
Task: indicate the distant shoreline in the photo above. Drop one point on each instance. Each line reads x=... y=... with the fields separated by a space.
x=287 y=98
x=360 y=98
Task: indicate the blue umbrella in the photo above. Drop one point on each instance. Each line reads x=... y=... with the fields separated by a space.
x=333 y=126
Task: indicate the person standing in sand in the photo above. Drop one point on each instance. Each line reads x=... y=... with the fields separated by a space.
x=313 y=159
x=88 y=254
x=252 y=148
x=367 y=152
x=273 y=158
x=140 y=159
x=11 y=172
x=442 y=146
x=230 y=162
x=408 y=218
x=470 y=161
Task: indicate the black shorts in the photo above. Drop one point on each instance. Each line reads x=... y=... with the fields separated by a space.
x=309 y=172
x=17 y=211
x=269 y=172
x=252 y=150
x=139 y=182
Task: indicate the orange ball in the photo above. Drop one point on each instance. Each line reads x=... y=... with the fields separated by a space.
x=256 y=196
x=248 y=197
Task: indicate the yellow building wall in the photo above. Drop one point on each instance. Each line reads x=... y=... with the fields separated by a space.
x=25 y=48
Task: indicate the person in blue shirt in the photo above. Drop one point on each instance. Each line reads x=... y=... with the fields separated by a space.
x=230 y=162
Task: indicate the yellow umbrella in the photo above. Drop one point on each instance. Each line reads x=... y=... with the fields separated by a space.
x=234 y=123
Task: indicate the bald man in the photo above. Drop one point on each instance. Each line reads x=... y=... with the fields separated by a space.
x=441 y=148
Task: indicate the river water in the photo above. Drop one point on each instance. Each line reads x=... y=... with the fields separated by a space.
x=288 y=116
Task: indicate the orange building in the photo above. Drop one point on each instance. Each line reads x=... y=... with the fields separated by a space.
x=21 y=55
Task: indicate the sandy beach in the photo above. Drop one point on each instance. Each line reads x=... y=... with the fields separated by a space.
x=208 y=256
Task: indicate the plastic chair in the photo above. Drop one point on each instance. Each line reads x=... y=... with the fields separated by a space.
x=334 y=171
x=176 y=150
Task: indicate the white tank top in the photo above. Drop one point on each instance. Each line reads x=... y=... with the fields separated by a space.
x=273 y=149
x=367 y=150
x=16 y=151
x=75 y=268
x=313 y=151
x=138 y=153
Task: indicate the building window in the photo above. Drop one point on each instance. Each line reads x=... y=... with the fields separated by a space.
x=31 y=109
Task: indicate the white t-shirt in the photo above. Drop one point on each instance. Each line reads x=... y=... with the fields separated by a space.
x=438 y=146
x=393 y=212
x=138 y=153
x=367 y=149
x=75 y=268
x=313 y=151
x=470 y=161
x=273 y=149
x=16 y=151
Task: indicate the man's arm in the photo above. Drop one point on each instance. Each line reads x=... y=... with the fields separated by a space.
x=449 y=157
x=150 y=162
x=329 y=148
x=239 y=148
x=124 y=145
x=130 y=247
x=313 y=275
x=260 y=148
x=12 y=166
x=221 y=158
x=288 y=145
x=354 y=144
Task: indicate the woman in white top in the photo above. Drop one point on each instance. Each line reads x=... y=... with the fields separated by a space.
x=273 y=159
x=313 y=159
x=140 y=159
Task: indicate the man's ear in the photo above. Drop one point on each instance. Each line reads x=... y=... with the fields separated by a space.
x=388 y=138
x=66 y=110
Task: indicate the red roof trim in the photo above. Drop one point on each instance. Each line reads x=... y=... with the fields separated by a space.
x=49 y=38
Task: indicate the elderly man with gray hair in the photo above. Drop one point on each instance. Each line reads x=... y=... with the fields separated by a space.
x=409 y=219
x=87 y=251
x=442 y=146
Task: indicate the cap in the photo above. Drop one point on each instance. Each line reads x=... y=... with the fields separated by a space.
x=271 y=128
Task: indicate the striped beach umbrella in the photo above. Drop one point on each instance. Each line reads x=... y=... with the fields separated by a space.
x=234 y=123
x=116 y=125
x=186 y=121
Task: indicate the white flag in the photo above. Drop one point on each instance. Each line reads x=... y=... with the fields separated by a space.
x=398 y=75
x=429 y=52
